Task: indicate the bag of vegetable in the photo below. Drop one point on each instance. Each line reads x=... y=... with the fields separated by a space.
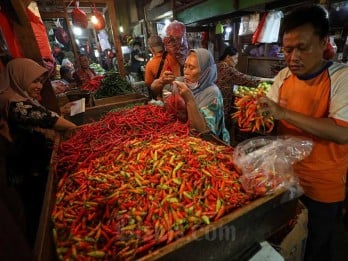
x=266 y=163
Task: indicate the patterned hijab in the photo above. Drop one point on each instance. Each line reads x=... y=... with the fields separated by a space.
x=175 y=41
x=208 y=69
x=15 y=79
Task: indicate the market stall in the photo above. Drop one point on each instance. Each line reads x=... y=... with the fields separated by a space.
x=168 y=194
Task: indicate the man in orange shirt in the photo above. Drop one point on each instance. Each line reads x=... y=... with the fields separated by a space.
x=310 y=98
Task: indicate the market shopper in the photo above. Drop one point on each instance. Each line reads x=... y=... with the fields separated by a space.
x=310 y=98
x=29 y=125
x=136 y=61
x=66 y=75
x=159 y=63
x=176 y=46
x=203 y=98
x=228 y=76
x=84 y=73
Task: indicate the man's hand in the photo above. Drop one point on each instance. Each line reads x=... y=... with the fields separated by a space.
x=168 y=77
x=268 y=108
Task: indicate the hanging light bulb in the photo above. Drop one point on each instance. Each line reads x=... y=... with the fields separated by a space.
x=97 y=19
x=94 y=20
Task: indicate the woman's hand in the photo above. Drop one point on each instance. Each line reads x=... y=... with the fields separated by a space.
x=158 y=84
x=269 y=108
x=168 y=77
x=184 y=91
x=66 y=109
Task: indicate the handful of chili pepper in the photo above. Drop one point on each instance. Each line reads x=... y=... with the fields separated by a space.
x=247 y=116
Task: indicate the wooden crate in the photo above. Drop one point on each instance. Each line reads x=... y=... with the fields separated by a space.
x=232 y=236
x=226 y=239
x=105 y=105
x=118 y=99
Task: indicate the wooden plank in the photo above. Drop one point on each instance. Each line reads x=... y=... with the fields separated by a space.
x=25 y=33
x=55 y=14
x=93 y=114
x=233 y=234
x=71 y=36
x=117 y=43
x=119 y=98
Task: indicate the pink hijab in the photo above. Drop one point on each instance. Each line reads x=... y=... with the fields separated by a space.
x=17 y=76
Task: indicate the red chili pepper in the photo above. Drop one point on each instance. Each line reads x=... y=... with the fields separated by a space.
x=142 y=188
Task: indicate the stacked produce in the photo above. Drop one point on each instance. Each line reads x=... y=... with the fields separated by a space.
x=97 y=68
x=135 y=181
x=112 y=85
x=247 y=116
x=114 y=129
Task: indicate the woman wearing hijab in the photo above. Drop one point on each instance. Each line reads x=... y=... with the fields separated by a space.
x=203 y=98
x=27 y=122
x=228 y=76
x=20 y=88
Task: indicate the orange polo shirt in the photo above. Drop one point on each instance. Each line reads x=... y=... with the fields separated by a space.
x=323 y=173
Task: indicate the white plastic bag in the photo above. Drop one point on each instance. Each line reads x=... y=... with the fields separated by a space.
x=266 y=163
x=270 y=29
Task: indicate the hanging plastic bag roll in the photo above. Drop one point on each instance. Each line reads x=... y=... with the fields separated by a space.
x=266 y=163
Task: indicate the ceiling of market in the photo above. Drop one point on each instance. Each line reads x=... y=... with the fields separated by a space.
x=60 y=5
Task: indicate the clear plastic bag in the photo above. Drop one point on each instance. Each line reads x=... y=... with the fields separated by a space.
x=266 y=163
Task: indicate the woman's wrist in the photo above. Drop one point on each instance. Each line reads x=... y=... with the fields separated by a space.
x=160 y=81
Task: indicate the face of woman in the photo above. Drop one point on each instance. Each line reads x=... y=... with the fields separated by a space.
x=84 y=62
x=34 y=89
x=232 y=60
x=172 y=43
x=192 y=71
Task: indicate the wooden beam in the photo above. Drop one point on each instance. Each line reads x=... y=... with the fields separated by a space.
x=46 y=15
x=30 y=48
x=71 y=36
x=25 y=33
x=117 y=43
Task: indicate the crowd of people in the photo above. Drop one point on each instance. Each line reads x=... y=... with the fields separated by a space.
x=308 y=98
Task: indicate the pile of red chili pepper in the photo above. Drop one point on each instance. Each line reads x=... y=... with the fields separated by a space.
x=93 y=84
x=247 y=116
x=115 y=128
x=135 y=181
x=143 y=194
